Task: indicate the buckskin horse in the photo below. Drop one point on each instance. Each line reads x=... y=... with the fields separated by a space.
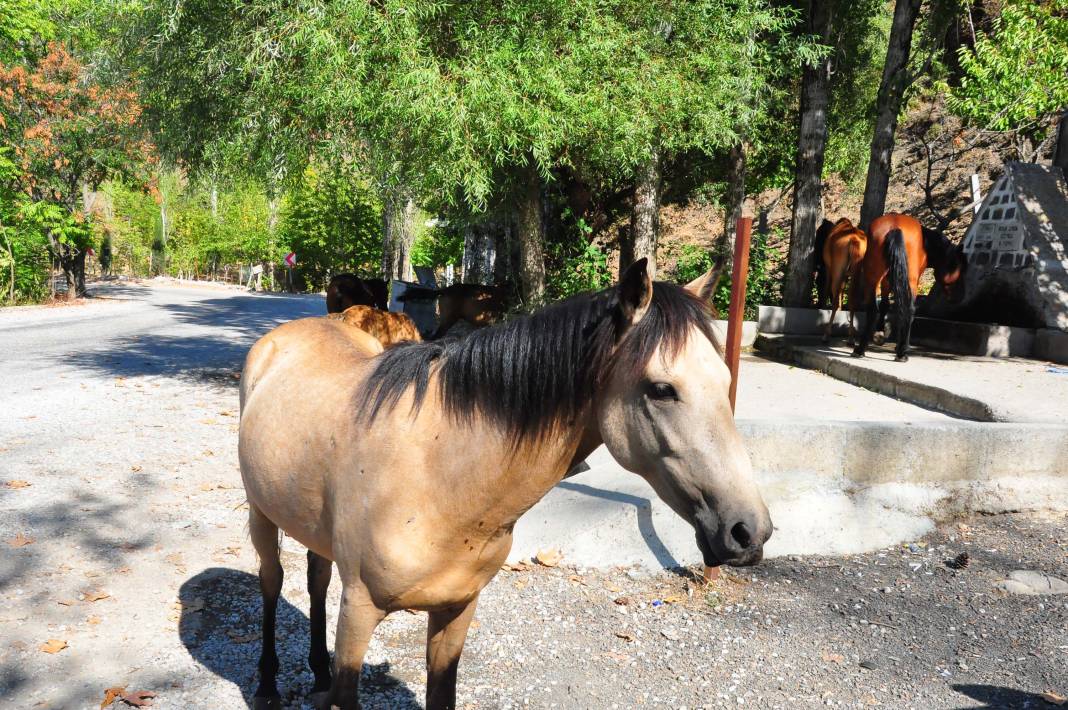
x=843 y=250
x=409 y=467
x=899 y=250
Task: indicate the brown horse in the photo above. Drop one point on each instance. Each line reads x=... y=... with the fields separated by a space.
x=474 y=303
x=388 y=328
x=409 y=468
x=347 y=290
x=843 y=249
x=899 y=250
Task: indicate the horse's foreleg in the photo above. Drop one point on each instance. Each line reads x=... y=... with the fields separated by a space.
x=264 y=536
x=445 y=636
x=355 y=624
x=319 y=570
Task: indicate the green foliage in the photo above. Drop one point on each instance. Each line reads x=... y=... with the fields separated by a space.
x=1018 y=74
x=692 y=262
x=439 y=244
x=25 y=27
x=576 y=267
x=761 y=288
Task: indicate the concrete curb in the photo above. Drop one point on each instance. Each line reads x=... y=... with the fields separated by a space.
x=924 y=395
x=832 y=488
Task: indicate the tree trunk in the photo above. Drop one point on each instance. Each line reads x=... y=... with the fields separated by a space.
x=11 y=263
x=644 y=232
x=891 y=93
x=480 y=253
x=398 y=234
x=735 y=195
x=808 y=178
x=1060 y=151
x=78 y=270
x=530 y=235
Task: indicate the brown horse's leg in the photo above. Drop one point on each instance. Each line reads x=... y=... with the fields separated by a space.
x=355 y=624
x=445 y=636
x=868 y=299
x=264 y=535
x=319 y=569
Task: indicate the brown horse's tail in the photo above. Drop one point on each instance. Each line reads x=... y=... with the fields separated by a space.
x=897 y=260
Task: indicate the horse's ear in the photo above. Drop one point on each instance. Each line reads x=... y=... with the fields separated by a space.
x=704 y=286
x=635 y=291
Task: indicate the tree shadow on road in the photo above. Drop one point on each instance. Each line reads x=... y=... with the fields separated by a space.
x=219 y=627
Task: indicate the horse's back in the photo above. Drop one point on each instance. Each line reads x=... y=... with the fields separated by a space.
x=297 y=394
x=912 y=239
x=388 y=328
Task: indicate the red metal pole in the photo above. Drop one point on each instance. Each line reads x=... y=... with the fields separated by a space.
x=737 y=309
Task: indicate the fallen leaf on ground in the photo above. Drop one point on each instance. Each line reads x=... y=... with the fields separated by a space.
x=53 y=646
x=238 y=637
x=95 y=595
x=520 y=584
x=1054 y=698
x=517 y=567
x=93 y=620
x=20 y=540
x=617 y=656
x=622 y=601
x=66 y=602
x=625 y=636
x=833 y=658
x=135 y=468
x=18 y=484
x=577 y=580
x=548 y=558
x=138 y=698
x=112 y=694
x=674 y=599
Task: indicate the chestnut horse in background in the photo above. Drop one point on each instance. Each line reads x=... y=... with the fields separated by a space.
x=388 y=328
x=843 y=250
x=899 y=250
x=347 y=290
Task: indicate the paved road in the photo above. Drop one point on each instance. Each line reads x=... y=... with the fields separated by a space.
x=130 y=330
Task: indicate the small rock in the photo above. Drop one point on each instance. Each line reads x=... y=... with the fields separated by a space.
x=869 y=665
x=670 y=634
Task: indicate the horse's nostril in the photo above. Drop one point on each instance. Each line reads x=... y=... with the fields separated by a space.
x=741 y=535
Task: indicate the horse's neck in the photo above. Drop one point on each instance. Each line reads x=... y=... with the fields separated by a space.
x=508 y=481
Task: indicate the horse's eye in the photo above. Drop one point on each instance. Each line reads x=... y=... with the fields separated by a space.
x=662 y=390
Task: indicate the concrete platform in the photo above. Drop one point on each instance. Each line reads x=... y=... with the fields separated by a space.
x=843 y=470
x=978 y=388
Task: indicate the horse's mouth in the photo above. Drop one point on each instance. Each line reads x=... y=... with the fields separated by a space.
x=710 y=559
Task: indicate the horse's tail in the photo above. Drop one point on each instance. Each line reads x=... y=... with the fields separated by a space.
x=897 y=260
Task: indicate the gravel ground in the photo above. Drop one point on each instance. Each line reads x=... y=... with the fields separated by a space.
x=129 y=545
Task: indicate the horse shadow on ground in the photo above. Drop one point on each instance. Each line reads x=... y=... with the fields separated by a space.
x=644 y=508
x=995 y=696
x=219 y=627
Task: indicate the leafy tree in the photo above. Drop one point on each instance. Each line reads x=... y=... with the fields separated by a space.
x=67 y=133
x=1015 y=78
x=331 y=219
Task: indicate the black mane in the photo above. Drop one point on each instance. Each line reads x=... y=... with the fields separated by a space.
x=531 y=373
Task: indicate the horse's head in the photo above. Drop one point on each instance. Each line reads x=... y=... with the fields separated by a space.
x=950 y=273
x=665 y=414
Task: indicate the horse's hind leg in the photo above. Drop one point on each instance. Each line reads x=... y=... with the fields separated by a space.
x=355 y=624
x=905 y=330
x=869 y=325
x=319 y=570
x=445 y=636
x=264 y=535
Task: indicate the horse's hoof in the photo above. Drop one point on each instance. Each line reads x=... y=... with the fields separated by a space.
x=857 y=353
x=274 y=703
x=902 y=358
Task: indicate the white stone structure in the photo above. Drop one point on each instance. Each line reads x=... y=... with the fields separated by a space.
x=1018 y=242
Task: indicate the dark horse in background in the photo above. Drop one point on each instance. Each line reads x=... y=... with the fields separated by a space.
x=899 y=250
x=347 y=290
x=478 y=305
